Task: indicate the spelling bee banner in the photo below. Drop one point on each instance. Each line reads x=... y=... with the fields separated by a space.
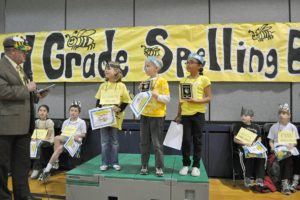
x=233 y=52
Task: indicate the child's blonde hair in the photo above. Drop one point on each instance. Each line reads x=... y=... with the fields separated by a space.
x=116 y=66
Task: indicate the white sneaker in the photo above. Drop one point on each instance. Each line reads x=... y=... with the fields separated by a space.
x=184 y=171
x=35 y=174
x=103 y=167
x=117 y=167
x=195 y=171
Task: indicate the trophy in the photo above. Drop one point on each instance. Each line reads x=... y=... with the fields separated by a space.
x=186 y=91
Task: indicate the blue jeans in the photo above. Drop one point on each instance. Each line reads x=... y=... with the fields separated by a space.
x=109 y=146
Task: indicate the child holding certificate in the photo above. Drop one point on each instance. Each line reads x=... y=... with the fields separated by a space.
x=72 y=128
x=112 y=93
x=43 y=136
x=195 y=93
x=253 y=168
x=284 y=134
x=153 y=116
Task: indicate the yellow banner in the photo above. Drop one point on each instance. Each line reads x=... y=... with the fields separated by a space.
x=248 y=52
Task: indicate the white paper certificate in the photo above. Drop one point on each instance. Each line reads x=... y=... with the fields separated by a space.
x=102 y=117
x=34 y=145
x=139 y=102
x=71 y=146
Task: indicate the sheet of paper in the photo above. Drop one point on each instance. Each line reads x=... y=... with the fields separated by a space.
x=139 y=102
x=71 y=146
x=246 y=136
x=39 y=134
x=174 y=136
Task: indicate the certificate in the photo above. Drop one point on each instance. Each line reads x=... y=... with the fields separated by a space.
x=46 y=88
x=39 y=134
x=69 y=130
x=71 y=146
x=34 y=148
x=102 y=117
x=246 y=136
x=139 y=102
x=287 y=137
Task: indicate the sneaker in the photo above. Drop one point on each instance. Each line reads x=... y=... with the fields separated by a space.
x=260 y=182
x=184 y=170
x=117 y=167
x=103 y=167
x=144 y=171
x=55 y=165
x=248 y=182
x=285 y=188
x=159 y=172
x=44 y=177
x=35 y=174
x=195 y=171
x=294 y=185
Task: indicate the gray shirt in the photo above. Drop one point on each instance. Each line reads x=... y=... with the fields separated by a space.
x=273 y=133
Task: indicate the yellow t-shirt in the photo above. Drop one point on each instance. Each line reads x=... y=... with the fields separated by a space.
x=117 y=92
x=155 y=108
x=198 y=85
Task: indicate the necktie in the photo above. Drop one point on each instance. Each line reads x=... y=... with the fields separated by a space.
x=22 y=74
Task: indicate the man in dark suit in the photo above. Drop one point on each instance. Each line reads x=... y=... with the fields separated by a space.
x=16 y=118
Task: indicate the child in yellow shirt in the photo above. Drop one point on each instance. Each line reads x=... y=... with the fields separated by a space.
x=195 y=93
x=153 y=116
x=112 y=93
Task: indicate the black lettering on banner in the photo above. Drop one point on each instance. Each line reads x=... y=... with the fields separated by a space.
x=51 y=40
x=241 y=51
x=106 y=55
x=27 y=64
x=151 y=40
x=227 y=36
x=272 y=60
x=213 y=63
x=182 y=55
x=87 y=72
x=69 y=58
x=293 y=54
x=260 y=57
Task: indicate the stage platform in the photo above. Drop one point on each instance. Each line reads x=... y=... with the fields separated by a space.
x=88 y=182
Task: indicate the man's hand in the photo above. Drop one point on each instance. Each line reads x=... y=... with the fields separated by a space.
x=43 y=94
x=31 y=86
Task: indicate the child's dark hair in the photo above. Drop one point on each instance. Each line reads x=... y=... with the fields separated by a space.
x=75 y=106
x=44 y=106
x=201 y=71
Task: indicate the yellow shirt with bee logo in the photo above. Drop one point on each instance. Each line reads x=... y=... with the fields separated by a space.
x=198 y=85
x=155 y=108
x=111 y=93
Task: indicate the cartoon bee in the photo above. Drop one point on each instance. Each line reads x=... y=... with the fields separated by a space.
x=262 y=33
x=148 y=51
x=81 y=38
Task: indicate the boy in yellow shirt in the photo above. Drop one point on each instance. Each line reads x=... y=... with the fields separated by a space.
x=153 y=116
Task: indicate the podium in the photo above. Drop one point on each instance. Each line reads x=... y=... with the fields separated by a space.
x=88 y=182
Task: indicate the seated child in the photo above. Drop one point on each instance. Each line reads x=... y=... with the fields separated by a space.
x=252 y=167
x=286 y=165
x=42 y=123
x=73 y=123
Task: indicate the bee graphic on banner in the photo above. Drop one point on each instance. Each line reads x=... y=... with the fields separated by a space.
x=261 y=33
x=81 y=39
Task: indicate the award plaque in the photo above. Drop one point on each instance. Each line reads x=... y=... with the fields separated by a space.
x=186 y=91
x=146 y=86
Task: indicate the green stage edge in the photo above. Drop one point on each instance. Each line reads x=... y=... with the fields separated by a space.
x=131 y=166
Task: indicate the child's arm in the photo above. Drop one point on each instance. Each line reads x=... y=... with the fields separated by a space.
x=178 y=117
x=207 y=97
x=271 y=143
x=79 y=137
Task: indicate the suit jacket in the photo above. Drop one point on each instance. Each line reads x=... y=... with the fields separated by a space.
x=16 y=105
